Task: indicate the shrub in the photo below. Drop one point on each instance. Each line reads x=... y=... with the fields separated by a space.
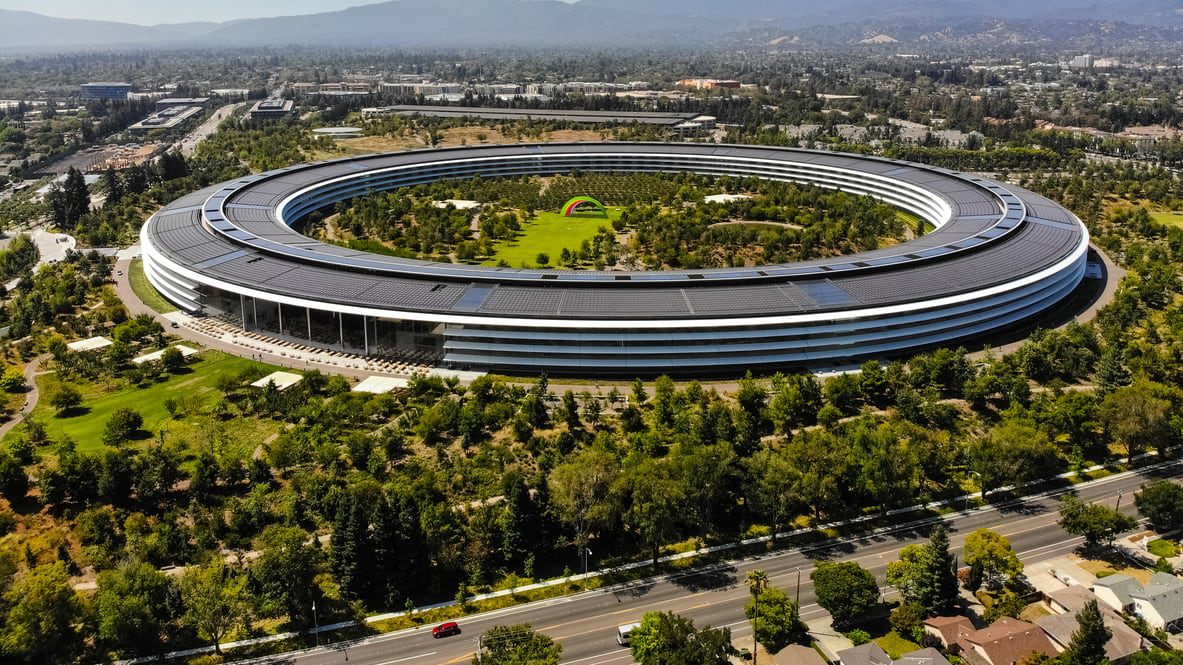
x=858 y=636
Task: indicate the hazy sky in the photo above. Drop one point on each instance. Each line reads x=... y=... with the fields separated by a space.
x=150 y=12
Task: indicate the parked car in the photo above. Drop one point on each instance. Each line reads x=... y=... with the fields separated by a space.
x=445 y=629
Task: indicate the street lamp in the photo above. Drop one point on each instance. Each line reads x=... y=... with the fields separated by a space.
x=315 y=624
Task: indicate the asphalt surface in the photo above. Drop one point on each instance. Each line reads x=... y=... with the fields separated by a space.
x=585 y=624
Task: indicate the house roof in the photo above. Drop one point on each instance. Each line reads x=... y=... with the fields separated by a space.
x=927 y=656
x=1073 y=597
x=950 y=628
x=1120 y=585
x=864 y=654
x=1008 y=641
x=1123 y=643
x=1164 y=592
x=795 y=654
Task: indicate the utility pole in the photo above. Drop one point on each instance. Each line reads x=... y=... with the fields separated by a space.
x=479 y=648
x=755 y=621
x=798 y=600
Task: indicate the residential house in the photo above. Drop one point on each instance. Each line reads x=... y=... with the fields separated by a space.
x=1005 y=642
x=948 y=629
x=1070 y=599
x=1115 y=590
x=1123 y=643
x=926 y=656
x=795 y=654
x=1160 y=601
x=864 y=654
x=872 y=654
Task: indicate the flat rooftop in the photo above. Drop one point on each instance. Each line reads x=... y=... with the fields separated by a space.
x=488 y=113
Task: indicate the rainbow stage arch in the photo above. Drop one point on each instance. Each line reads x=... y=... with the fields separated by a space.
x=570 y=206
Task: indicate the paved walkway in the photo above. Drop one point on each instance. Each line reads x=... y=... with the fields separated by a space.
x=221 y=336
x=31 y=395
x=52 y=248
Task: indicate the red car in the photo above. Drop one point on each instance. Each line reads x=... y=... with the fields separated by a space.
x=445 y=629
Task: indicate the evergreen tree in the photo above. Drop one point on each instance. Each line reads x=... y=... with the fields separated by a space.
x=1088 y=642
x=353 y=550
x=77 y=197
x=519 y=522
x=399 y=557
x=113 y=186
x=943 y=571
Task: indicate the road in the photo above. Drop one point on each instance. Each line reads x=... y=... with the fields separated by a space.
x=189 y=143
x=585 y=623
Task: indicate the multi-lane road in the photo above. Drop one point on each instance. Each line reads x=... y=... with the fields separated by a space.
x=585 y=623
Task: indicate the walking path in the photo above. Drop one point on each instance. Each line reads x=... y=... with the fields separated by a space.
x=31 y=395
x=51 y=247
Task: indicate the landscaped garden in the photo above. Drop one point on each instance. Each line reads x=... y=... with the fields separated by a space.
x=190 y=389
x=547 y=235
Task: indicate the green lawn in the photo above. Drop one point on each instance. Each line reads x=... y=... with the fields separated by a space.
x=1168 y=218
x=99 y=401
x=1162 y=548
x=144 y=289
x=914 y=221
x=550 y=232
x=894 y=645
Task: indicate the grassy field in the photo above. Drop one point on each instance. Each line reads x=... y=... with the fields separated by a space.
x=550 y=232
x=144 y=290
x=1168 y=218
x=99 y=401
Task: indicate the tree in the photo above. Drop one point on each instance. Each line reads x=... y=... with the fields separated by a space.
x=215 y=600
x=776 y=621
x=66 y=397
x=1161 y=502
x=122 y=425
x=43 y=612
x=775 y=493
x=172 y=359
x=13 y=381
x=352 y=547
x=664 y=638
x=1137 y=416
x=655 y=507
x=135 y=605
x=1095 y=523
x=846 y=590
x=14 y=482
x=581 y=490
x=517 y=645
x=994 y=554
x=757 y=582
x=1011 y=453
x=285 y=571
x=925 y=575
x=1088 y=642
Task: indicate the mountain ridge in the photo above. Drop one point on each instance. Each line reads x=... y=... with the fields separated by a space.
x=608 y=23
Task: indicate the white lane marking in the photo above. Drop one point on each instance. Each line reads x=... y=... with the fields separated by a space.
x=600 y=658
x=403 y=660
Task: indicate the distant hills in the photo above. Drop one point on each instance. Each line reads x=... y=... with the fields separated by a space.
x=610 y=23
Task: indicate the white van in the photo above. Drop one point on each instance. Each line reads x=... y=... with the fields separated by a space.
x=622 y=633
